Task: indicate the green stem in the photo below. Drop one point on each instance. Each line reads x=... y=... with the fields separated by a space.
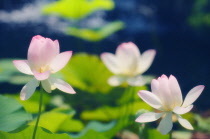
x=170 y=135
x=128 y=107
x=132 y=100
x=39 y=113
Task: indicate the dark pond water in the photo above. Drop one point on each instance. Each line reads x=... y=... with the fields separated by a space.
x=182 y=50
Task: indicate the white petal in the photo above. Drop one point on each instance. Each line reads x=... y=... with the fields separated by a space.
x=127 y=49
x=192 y=95
x=61 y=85
x=186 y=124
x=148 y=117
x=150 y=99
x=60 y=61
x=48 y=52
x=182 y=110
x=155 y=86
x=166 y=124
x=116 y=80
x=23 y=66
x=41 y=76
x=146 y=60
x=46 y=85
x=164 y=93
x=41 y=52
x=128 y=57
x=175 y=90
x=111 y=62
x=136 y=81
x=28 y=89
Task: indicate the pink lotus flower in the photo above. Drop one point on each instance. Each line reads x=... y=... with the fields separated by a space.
x=166 y=96
x=128 y=64
x=44 y=59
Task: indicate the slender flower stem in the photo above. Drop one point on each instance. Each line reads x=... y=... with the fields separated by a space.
x=170 y=135
x=132 y=100
x=39 y=113
x=128 y=106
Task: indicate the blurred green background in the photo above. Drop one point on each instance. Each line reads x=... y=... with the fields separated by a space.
x=178 y=29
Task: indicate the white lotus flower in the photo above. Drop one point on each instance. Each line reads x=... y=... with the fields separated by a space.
x=128 y=64
x=44 y=59
x=166 y=96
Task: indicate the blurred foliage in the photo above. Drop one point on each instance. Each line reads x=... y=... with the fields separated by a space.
x=95 y=127
x=155 y=134
x=147 y=132
x=91 y=134
x=200 y=14
x=59 y=120
x=203 y=124
x=77 y=9
x=6 y=69
x=12 y=114
x=182 y=135
x=128 y=103
x=88 y=79
x=190 y=117
x=107 y=113
x=32 y=104
x=10 y=74
x=80 y=9
x=26 y=133
x=96 y=34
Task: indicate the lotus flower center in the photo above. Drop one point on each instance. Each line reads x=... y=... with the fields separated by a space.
x=43 y=69
x=170 y=107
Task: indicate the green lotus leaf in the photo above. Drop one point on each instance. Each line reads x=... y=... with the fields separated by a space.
x=26 y=133
x=32 y=104
x=59 y=120
x=155 y=134
x=77 y=9
x=97 y=127
x=8 y=73
x=96 y=34
x=88 y=73
x=202 y=123
x=107 y=113
x=12 y=114
x=91 y=134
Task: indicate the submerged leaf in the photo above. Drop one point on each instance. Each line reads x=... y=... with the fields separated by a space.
x=12 y=114
x=77 y=9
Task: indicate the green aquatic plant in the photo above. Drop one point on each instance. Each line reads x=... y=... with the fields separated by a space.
x=77 y=9
x=96 y=34
x=12 y=114
x=200 y=14
x=87 y=81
